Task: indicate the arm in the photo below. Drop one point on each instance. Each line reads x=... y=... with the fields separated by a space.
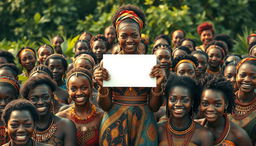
x=241 y=136
x=104 y=94
x=207 y=138
x=70 y=133
x=104 y=98
x=156 y=95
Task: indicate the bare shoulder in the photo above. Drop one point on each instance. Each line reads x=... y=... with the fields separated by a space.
x=203 y=132
x=64 y=113
x=238 y=133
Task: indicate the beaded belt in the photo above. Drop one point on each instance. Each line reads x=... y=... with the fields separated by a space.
x=130 y=100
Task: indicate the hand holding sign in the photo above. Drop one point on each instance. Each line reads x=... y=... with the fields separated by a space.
x=101 y=74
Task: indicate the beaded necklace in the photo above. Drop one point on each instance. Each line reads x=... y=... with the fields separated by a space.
x=242 y=110
x=43 y=136
x=187 y=134
x=85 y=120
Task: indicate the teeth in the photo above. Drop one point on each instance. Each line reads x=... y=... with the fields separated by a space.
x=21 y=138
x=79 y=99
x=41 y=109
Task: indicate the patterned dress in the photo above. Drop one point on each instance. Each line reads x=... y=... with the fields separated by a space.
x=129 y=121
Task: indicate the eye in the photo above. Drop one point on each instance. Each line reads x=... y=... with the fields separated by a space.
x=172 y=99
x=242 y=75
x=204 y=103
x=34 y=99
x=83 y=88
x=46 y=97
x=73 y=89
x=218 y=104
x=28 y=125
x=14 y=125
x=186 y=100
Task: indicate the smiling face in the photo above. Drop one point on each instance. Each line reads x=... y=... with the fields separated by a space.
x=43 y=53
x=179 y=102
x=41 y=96
x=177 y=37
x=215 y=57
x=212 y=104
x=164 y=58
x=246 y=78
x=206 y=36
x=57 y=69
x=79 y=89
x=27 y=60
x=7 y=94
x=128 y=35
x=186 y=69
x=20 y=127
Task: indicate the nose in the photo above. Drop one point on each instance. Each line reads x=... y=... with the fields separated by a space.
x=200 y=66
x=179 y=103
x=163 y=60
x=21 y=128
x=210 y=108
x=40 y=101
x=233 y=79
x=247 y=79
x=129 y=39
x=54 y=70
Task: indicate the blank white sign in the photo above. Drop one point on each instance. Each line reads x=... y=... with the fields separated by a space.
x=129 y=70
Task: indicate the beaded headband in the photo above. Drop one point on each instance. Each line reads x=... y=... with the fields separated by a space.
x=184 y=61
x=127 y=14
x=243 y=61
x=76 y=74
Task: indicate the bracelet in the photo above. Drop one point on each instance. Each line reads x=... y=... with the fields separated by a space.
x=160 y=93
x=103 y=95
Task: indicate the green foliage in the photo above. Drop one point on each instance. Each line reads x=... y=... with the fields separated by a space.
x=33 y=22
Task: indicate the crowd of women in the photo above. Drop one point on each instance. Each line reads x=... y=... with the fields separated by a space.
x=204 y=95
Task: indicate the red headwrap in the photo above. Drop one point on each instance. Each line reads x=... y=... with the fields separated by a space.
x=251 y=35
x=127 y=14
x=204 y=26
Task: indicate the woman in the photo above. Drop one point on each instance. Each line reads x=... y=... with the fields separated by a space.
x=177 y=36
x=162 y=39
x=60 y=95
x=85 y=61
x=180 y=51
x=27 y=59
x=9 y=90
x=202 y=58
x=164 y=57
x=182 y=103
x=216 y=52
x=110 y=34
x=50 y=129
x=206 y=33
x=56 y=43
x=82 y=46
x=128 y=118
x=58 y=66
x=185 y=66
x=190 y=43
x=99 y=46
x=229 y=72
x=43 y=52
x=20 y=117
x=6 y=57
x=217 y=100
x=244 y=112
x=83 y=113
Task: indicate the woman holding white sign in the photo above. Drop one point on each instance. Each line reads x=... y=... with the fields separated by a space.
x=129 y=118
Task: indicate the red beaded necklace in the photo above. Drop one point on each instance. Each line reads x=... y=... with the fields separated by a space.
x=187 y=134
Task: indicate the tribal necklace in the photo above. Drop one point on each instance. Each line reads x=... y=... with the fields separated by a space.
x=187 y=133
x=242 y=110
x=85 y=120
x=44 y=136
x=224 y=133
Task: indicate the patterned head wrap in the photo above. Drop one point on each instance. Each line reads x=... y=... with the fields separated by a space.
x=127 y=14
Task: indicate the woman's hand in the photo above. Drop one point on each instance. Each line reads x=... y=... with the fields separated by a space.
x=101 y=74
x=159 y=73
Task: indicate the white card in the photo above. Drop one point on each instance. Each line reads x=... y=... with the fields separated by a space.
x=129 y=70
